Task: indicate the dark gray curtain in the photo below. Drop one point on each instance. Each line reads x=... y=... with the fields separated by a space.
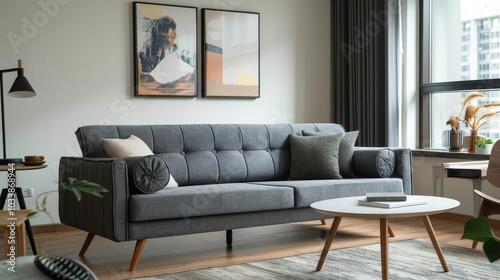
x=365 y=59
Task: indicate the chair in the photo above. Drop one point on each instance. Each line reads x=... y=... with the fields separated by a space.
x=490 y=205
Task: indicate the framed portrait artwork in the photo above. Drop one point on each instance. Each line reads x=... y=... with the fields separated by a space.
x=231 y=53
x=165 y=50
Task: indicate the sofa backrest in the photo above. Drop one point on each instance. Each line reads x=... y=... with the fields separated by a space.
x=210 y=153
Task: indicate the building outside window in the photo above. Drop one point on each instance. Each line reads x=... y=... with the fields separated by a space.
x=461 y=55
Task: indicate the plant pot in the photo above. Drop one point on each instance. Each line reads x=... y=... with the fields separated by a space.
x=455 y=140
x=470 y=141
x=484 y=151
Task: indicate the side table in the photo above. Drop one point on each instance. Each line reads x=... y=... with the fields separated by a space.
x=20 y=198
x=18 y=219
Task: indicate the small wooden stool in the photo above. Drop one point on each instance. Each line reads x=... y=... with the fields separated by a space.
x=20 y=235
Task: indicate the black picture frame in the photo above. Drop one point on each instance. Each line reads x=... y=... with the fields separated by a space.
x=231 y=53
x=165 y=50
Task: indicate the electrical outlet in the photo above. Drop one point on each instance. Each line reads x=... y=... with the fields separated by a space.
x=28 y=192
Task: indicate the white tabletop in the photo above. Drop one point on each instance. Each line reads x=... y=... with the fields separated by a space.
x=349 y=207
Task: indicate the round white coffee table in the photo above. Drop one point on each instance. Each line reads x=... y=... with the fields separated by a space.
x=349 y=207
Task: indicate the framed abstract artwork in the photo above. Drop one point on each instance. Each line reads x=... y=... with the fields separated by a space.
x=165 y=50
x=231 y=53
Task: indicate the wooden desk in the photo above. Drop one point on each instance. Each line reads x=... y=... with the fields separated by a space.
x=18 y=219
x=474 y=171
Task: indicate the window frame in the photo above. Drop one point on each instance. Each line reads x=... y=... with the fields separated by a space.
x=426 y=89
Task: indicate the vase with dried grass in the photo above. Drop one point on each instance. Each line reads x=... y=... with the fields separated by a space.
x=476 y=117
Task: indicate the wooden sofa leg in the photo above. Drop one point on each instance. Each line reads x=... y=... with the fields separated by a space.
x=86 y=244
x=229 y=237
x=323 y=222
x=137 y=253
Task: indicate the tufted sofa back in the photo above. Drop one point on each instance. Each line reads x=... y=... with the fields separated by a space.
x=210 y=153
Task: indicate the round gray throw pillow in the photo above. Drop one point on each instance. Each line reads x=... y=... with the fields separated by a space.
x=374 y=163
x=147 y=174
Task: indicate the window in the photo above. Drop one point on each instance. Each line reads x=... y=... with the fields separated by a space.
x=461 y=55
x=483 y=36
x=494 y=22
x=484 y=67
x=484 y=46
x=466 y=26
x=485 y=24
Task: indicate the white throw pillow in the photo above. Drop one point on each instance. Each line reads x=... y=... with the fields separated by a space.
x=133 y=146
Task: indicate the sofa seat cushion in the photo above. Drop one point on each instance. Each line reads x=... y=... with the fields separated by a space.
x=213 y=199
x=309 y=191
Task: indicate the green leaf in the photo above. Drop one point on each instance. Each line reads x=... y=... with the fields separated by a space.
x=32 y=214
x=492 y=249
x=79 y=186
x=478 y=229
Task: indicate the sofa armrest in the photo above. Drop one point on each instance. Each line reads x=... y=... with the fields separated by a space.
x=105 y=216
x=402 y=168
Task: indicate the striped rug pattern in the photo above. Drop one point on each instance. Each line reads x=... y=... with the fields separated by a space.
x=408 y=259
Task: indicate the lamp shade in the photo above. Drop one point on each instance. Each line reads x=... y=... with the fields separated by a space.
x=21 y=88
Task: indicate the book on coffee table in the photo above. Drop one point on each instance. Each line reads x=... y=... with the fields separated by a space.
x=394 y=196
x=410 y=201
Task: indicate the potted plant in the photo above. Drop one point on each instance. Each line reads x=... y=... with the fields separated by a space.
x=475 y=117
x=484 y=146
x=478 y=229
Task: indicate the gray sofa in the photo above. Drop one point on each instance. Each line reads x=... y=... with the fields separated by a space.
x=230 y=176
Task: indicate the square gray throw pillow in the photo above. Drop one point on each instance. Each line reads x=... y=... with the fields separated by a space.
x=346 y=150
x=315 y=157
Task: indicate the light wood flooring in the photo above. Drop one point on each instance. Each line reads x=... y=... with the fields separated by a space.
x=110 y=260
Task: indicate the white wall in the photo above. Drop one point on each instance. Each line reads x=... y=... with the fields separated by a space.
x=78 y=57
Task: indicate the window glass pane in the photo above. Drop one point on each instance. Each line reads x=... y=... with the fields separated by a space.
x=464 y=29
x=440 y=115
x=464 y=46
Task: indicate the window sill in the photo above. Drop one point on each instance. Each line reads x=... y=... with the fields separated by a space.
x=446 y=154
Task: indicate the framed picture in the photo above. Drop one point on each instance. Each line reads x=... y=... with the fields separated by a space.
x=165 y=50
x=231 y=50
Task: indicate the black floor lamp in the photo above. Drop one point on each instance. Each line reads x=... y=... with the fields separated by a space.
x=20 y=88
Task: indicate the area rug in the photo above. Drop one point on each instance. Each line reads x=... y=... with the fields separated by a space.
x=408 y=259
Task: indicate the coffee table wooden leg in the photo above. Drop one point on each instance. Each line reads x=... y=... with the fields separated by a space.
x=391 y=233
x=328 y=242
x=435 y=242
x=384 y=247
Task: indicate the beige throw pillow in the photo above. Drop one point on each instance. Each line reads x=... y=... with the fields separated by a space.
x=133 y=146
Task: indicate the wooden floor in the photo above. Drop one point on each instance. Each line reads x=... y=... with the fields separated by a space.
x=110 y=260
